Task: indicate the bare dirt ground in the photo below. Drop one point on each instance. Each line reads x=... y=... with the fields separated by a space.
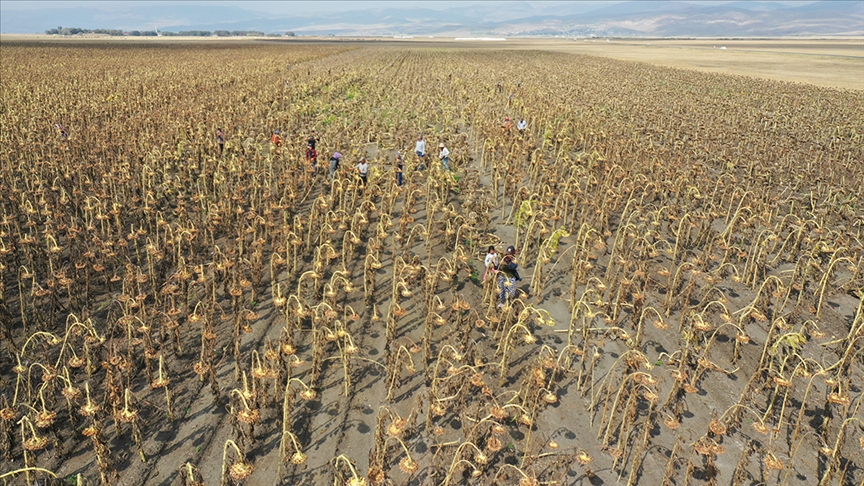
x=827 y=63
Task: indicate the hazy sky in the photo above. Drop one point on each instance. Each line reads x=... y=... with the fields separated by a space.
x=17 y=16
x=284 y=7
x=264 y=6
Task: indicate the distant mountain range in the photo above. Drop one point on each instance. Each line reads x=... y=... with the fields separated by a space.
x=638 y=18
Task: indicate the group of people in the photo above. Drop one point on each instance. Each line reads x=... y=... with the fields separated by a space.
x=420 y=151
x=503 y=268
x=362 y=166
x=507 y=126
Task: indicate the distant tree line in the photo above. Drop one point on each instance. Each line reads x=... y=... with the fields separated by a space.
x=76 y=30
x=153 y=33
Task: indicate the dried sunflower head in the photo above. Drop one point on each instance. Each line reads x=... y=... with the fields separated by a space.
x=477 y=379
x=45 y=418
x=397 y=426
x=671 y=423
x=240 y=471
x=35 y=443
x=89 y=409
x=127 y=415
x=408 y=465
x=584 y=458
x=160 y=383
x=771 y=462
x=760 y=427
x=8 y=413
x=248 y=416
x=438 y=409
x=200 y=368
x=838 y=399
x=500 y=413
x=298 y=458
x=376 y=475
x=717 y=427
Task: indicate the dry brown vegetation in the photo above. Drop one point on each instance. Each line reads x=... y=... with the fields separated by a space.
x=691 y=245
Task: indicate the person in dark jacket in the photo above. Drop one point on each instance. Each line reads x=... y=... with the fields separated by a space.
x=334 y=164
x=400 y=164
x=508 y=276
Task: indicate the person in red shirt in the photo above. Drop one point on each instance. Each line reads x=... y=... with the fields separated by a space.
x=276 y=139
x=312 y=158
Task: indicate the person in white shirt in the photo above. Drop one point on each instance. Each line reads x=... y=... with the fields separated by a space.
x=491 y=262
x=522 y=125
x=363 y=170
x=444 y=155
x=420 y=150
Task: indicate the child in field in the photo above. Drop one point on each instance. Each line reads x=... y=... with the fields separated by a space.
x=491 y=262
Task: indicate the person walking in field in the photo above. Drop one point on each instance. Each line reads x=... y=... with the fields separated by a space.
x=507 y=126
x=399 y=168
x=444 y=155
x=276 y=139
x=220 y=139
x=334 y=164
x=363 y=171
x=521 y=126
x=491 y=263
x=313 y=139
x=62 y=131
x=420 y=150
x=508 y=276
x=312 y=158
